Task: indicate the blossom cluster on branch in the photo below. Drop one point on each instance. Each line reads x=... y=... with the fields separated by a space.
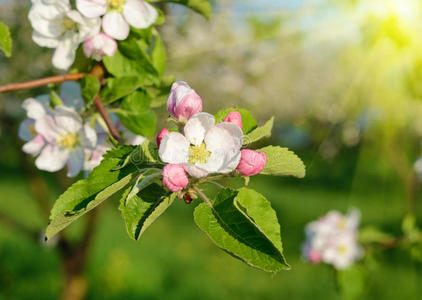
x=332 y=239
x=58 y=25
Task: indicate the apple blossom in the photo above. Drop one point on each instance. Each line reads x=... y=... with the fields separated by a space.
x=183 y=102
x=66 y=139
x=35 y=109
x=119 y=14
x=160 y=136
x=332 y=239
x=174 y=177
x=99 y=45
x=251 y=162
x=204 y=148
x=56 y=25
x=234 y=117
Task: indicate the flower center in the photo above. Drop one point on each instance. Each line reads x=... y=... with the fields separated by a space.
x=342 y=224
x=342 y=249
x=32 y=130
x=69 y=141
x=115 y=5
x=69 y=24
x=198 y=154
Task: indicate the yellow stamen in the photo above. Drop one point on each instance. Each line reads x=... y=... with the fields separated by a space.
x=198 y=154
x=69 y=24
x=32 y=130
x=69 y=141
x=116 y=5
x=342 y=249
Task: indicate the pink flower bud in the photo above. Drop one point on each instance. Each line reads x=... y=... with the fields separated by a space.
x=99 y=45
x=251 y=162
x=183 y=102
x=160 y=136
x=235 y=118
x=174 y=177
x=314 y=256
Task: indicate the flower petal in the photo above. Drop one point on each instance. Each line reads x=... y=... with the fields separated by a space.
x=44 y=17
x=70 y=93
x=65 y=53
x=75 y=162
x=224 y=137
x=174 y=148
x=195 y=171
x=139 y=14
x=92 y=8
x=89 y=137
x=67 y=119
x=34 y=146
x=44 y=41
x=35 y=108
x=198 y=126
x=52 y=158
x=46 y=126
x=115 y=25
x=25 y=132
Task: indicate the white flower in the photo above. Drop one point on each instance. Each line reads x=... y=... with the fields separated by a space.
x=342 y=251
x=119 y=14
x=205 y=148
x=99 y=45
x=333 y=239
x=66 y=140
x=56 y=25
x=35 y=108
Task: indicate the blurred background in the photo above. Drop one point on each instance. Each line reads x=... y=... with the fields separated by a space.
x=344 y=81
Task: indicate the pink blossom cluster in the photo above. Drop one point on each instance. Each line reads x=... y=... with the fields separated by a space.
x=332 y=239
x=205 y=147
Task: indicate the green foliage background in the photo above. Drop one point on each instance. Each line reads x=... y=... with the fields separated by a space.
x=349 y=105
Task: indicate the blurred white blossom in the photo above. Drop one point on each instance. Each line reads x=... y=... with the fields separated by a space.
x=332 y=239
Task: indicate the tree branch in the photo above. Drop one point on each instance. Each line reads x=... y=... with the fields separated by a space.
x=101 y=109
x=40 y=82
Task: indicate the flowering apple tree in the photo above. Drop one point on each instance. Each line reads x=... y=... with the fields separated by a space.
x=98 y=122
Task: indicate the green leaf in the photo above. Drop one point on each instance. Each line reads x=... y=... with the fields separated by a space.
x=248 y=121
x=136 y=115
x=84 y=195
x=120 y=65
x=5 y=40
x=82 y=63
x=90 y=87
x=158 y=55
x=141 y=210
x=145 y=155
x=143 y=123
x=259 y=133
x=136 y=50
x=243 y=224
x=282 y=162
x=117 y=88
x=138 y=101
x=160 y=94
x=202 y=7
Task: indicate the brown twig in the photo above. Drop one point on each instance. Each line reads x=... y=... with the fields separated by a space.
x=101 y=109
x=40 y=82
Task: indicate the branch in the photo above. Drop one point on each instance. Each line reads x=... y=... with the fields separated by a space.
x=203 y=196
x=40 y=82
x=101 y=109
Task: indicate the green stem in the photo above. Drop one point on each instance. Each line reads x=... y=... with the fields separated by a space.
x=203 y=196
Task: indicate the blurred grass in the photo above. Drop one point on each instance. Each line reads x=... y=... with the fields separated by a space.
x=175 y=260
